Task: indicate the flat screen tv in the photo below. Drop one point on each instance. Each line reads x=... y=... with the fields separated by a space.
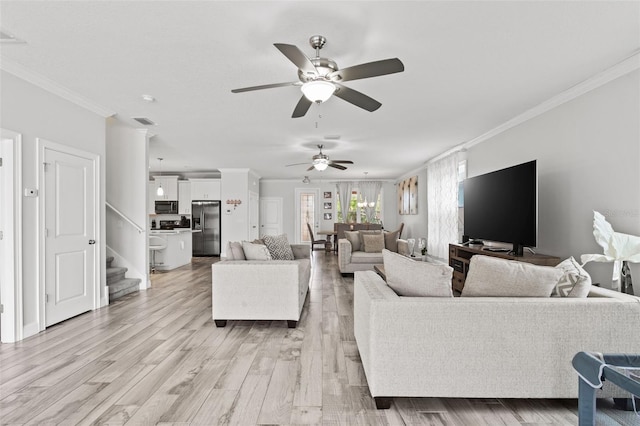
x=502 y=206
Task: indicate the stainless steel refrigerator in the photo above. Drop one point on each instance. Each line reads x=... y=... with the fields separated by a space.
x=205 y=217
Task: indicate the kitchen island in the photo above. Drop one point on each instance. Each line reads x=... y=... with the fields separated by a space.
x=179 y=248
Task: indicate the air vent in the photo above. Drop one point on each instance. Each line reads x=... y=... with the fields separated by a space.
x=145 y=121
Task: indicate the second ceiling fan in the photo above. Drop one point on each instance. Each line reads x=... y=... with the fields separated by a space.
x=320 y=78
x=321 y=161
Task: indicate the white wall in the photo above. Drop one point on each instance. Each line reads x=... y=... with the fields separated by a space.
x=588 y=153
x=36 y=113
x=415 y=225
x=126 y=190
x=235 y=184
x=286 y=190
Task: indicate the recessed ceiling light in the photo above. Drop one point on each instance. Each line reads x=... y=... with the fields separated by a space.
x=148 y=98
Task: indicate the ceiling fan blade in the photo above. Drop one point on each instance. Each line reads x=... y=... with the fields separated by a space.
x=370 y=69
x=342 y=161
x=337 y=166
x=356 y=98
x=266 y=86
x=301 y=108
x=296 y=56
x=310 y=168
x=297 y=164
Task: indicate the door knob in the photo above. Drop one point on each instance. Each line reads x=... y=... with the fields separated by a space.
x=91 y=242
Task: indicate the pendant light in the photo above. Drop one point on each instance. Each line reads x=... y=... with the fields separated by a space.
x=160 y=191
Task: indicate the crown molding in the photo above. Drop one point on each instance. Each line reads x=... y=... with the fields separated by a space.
x=623 y=67
x=49 y=85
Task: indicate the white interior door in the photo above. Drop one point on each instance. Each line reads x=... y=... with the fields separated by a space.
x=271 y=216
x=254 y=215
x=70 y=233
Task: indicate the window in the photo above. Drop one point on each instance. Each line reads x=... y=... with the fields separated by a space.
x=357 y=214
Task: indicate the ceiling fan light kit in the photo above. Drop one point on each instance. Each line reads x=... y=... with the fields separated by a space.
x=318 y=90
x=321 y=78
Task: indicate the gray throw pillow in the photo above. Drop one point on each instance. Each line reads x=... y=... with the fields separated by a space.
x=367 y=232
x=255 y=251
x=235 y=251
x=575 y=282
x=492 y=276
x=373 y=243
x=418 y=279
x=391 y=240
x=354 y=238
x=278 y=247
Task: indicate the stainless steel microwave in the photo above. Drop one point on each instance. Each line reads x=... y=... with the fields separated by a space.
x=166 y=207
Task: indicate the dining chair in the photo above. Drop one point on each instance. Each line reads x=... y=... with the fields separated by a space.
x=315 y=242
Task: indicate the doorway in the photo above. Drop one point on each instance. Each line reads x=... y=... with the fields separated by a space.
x=271 y=220
x=69 y=212
x=10 y=236
x=307 y=210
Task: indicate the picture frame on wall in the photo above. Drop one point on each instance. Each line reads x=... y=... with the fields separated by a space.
x=327 y=206
x=413 y=195
x=327 y=194
x=328 y=216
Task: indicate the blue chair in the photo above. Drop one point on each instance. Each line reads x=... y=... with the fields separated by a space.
x=593 y=370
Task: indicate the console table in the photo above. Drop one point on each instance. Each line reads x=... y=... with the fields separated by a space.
x=459 y=257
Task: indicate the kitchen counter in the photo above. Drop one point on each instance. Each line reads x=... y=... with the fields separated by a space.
x=173 y=231
x=179 y=248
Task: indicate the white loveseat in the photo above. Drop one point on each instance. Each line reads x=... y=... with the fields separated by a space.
x=261 y=289
x=484 y=347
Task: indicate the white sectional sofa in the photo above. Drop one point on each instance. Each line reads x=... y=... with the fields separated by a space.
x=261 y=289
x=484 y=347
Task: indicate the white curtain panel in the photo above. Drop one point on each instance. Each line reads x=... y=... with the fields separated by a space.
x=344 y=193
x=442 y=205
x=370 y=190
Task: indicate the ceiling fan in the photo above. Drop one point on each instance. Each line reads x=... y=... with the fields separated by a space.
x=321 y=161
x=320 y=78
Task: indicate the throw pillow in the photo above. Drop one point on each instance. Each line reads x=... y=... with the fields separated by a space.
x=492 y=276
x=367 y=232
x=373 y=243
x=391 y=240
x=235 y=251
x=278 y=247
x=575 y=282
x=255 y=251
x=354 y=239
x=418 y=279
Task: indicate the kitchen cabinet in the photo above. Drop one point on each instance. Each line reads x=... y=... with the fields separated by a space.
x=184 y=197
x=205 y=189
x=169 y=185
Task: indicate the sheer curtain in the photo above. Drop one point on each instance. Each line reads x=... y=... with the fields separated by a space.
x=370 y=191
x=344 y=195
x=442 y=199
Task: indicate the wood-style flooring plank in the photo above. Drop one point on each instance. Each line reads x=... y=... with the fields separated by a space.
x=156 y=357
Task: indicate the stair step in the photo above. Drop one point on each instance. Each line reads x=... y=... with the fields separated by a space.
x=123 y=287
x=115 y=274
x=109 y=260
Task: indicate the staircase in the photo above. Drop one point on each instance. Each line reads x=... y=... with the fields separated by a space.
x=118 y=284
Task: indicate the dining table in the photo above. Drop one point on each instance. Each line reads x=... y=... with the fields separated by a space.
x=332 y=244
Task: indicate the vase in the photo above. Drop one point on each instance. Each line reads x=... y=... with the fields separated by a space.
x=626 y=285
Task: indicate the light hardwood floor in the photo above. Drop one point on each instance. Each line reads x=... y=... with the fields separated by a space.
x=155 y=357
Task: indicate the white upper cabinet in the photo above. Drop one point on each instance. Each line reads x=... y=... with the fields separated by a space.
x=169 y=185
x=205 y=189
x=184 y=197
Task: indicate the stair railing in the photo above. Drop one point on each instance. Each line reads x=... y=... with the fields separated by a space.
x=122 y=215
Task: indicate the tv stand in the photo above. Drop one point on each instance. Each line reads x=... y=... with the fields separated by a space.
x=460 y=256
